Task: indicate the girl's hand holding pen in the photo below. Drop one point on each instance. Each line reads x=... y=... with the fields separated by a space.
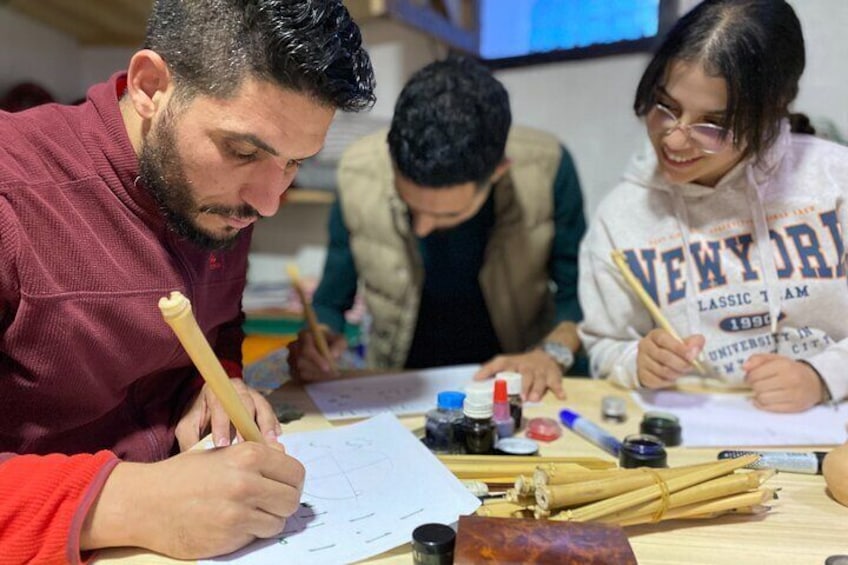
x=662 y=358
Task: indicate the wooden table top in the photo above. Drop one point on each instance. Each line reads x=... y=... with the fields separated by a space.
x=804 y=526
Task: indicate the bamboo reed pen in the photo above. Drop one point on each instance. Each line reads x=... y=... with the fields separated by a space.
x=709 y=509
x=176 y=309
x=309 y=315
x=720 y=487
x=508 y=461
x=650 y=305
x=645 y=494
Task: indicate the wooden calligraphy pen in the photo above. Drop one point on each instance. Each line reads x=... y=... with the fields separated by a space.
x=176 y=309
x=309 y=314
x=650 y=305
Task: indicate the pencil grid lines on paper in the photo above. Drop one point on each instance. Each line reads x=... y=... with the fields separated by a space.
x=368 y=485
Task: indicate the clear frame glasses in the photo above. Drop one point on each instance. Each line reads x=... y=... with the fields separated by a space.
x=710 y=138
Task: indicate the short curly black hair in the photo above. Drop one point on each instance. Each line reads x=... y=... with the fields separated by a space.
x=311 y=47
x=450 y=124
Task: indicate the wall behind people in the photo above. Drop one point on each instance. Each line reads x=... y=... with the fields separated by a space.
x=586 y=103
x=31 y=52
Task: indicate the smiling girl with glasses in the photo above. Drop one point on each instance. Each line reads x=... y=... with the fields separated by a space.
x=732 y=224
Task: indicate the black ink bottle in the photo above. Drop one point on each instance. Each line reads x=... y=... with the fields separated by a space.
x=478 y=427
x=442 y=434
x=642 y=450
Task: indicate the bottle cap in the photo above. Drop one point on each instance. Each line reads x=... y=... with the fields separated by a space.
x=517 y=446
x=500 y=391
x=480 y=391
x=433 y=539
x=543 y=429
x=476 y=410
x=642 y=450
x=450 y=399
x=663 y=425
x=513 y=381
x=568 y=417
x=613 y=408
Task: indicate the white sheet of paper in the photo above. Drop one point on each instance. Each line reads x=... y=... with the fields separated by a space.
x=368 y=485
x=725 y=420
x=410 y=392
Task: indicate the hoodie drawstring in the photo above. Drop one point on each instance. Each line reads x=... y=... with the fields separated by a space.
x=691 y=291
x=763 y=240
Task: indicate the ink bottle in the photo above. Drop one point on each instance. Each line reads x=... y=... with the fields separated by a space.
x=513 y=391
x=500 y=411
x=433 y=544
x=478 y=429
x=442 y=424
x=663 y=425
x=480 y=391
x=642 y=450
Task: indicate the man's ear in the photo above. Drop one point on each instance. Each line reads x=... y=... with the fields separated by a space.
x=501 y=170
x=148 y=80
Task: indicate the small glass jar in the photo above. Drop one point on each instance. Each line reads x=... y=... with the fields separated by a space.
x=478 y=428
x=642 y=450
x=442 y=423
x=663 y=425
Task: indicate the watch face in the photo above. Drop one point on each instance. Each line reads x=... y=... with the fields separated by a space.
x=559 y=352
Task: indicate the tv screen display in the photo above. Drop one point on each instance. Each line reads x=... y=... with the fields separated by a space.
x=510 y=28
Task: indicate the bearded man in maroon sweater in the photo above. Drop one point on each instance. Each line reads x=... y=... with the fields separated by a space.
x=149 y=186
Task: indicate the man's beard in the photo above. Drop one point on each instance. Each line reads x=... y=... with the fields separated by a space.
x=162 y=172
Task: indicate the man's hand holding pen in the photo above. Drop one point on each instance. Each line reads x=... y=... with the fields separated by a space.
x=307 y=363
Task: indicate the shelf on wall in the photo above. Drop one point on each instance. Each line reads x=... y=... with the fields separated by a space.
x=297 y=195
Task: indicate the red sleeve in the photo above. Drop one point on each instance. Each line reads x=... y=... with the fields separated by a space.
x=229 y=341
x=233 y=369
x=44 y=500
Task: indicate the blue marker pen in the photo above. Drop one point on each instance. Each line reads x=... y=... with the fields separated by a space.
x=590 y=431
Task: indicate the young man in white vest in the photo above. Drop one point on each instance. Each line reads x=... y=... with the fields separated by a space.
x=463 y=232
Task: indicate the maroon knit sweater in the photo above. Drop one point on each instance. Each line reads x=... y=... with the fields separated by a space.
x=86 y=361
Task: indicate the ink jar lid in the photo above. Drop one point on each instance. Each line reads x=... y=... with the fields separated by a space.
x=433 y=539
x=477 y=410
x=642 y=450
x=543 y=429
x=663 y=425
x=513 y=381
x=613 y=408
x=516 y=446
x=450 y=400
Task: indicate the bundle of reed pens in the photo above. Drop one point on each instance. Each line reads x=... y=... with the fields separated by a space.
x=571 y=491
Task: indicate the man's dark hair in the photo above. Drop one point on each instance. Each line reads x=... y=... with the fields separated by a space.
x=450 y=124
x=756 y=46
x=311 y=47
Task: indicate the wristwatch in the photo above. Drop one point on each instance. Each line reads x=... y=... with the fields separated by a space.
x=559 y=353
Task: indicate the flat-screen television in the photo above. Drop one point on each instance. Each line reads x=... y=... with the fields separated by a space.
x=520 y=32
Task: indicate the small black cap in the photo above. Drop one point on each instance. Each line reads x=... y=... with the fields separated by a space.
x=433 y=539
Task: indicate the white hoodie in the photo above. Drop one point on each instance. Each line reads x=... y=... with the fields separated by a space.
x=766 y=243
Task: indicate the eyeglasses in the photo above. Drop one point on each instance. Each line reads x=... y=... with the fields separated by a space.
x=709 y=137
